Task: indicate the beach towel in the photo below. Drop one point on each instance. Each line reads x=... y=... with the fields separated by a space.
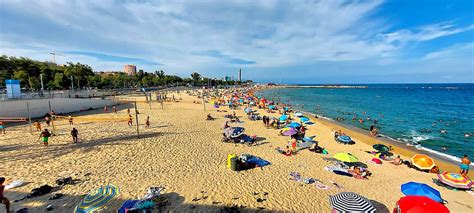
x=305 y=145
x=258 y=161
x=127 y=205
x=343 y=173
x=15 y=184
x=295 y=176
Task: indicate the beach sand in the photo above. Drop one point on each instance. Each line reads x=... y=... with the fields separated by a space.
x=183 y=152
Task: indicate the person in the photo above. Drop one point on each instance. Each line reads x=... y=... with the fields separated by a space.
x=465 y=162
x=2 y=127
x=147 y=123
x=130 y=120
x=302 y=131
x=37 y=125
x=209 y=117
x=105 y=108
x=45 y=136
x=397 y=161
x=114 y=109
x=293 y=144
x=128 y=110
x=71 y=121
x=47 y=118
x=74 y=134
x=3 y=199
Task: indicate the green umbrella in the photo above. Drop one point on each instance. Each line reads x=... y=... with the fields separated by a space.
x=346 y=157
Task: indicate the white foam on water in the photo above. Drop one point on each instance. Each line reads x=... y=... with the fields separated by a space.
x=454 y=158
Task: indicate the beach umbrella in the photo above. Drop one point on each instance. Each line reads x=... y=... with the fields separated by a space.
x=422 y=162
x=304 y=119
x=283 y=117
x=293 y=125
x=237 y=131
x=298 y=114
x=350 y=202
x=381 y=147
x=346 y=157
x=344 y=138
x=272 y=107
x=420 y=204
x=421 y=189
x=97 y=199
x=290 y=132
x=376 y=161
x=455 y=180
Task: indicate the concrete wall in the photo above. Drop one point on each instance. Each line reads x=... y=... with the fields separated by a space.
x=39 y=107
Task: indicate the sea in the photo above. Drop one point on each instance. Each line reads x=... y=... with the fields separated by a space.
x=440 y=117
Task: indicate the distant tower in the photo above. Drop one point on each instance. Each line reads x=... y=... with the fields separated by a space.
x=240 y=75
x=130 y=69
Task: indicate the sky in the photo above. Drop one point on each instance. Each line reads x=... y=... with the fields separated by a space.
x=333 y=41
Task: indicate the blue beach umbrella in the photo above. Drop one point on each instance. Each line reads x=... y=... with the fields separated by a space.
x=283 y=117
x=421 y=189
x=97 y=199
x=272 y=107
x=304 y=119
x=237 y=131
x=293 y=125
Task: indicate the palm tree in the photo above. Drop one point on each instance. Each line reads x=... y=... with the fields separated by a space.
x=196 y=76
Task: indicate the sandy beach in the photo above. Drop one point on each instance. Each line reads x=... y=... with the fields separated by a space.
x=183 y=152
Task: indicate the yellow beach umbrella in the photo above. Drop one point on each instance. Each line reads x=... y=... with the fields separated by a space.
x=422 y=162
x=346 y=157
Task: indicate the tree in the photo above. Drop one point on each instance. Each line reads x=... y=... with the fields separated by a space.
x=195 y=76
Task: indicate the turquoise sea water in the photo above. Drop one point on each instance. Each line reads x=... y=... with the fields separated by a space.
x=434 y=115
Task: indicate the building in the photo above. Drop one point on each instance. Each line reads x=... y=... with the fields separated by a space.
x=240 y=75
x=130 y=69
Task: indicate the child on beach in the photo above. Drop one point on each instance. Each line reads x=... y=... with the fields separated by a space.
x=293 y=144
x=2 y=127
x=74 y=134
x=147 y=123
x=45 y=136
x=130 y=120
x=37 y=125
x=3 y=199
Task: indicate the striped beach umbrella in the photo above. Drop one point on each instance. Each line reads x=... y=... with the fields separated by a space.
x=346 y=157
x=97 y=199
x=455 y=180
x=350 y=202
x=422 y=162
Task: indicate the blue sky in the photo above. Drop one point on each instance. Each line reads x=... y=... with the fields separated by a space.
x=391 y=41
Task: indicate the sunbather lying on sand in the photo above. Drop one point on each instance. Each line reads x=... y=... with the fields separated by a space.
x=397 y=161
x=286 y=152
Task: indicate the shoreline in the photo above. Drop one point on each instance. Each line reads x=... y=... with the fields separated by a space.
x=443 y=162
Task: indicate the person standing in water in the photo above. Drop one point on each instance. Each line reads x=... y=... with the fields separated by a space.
x=74 y=134
x=465 y=162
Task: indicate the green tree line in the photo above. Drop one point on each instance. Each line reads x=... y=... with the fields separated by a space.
x=30 y=73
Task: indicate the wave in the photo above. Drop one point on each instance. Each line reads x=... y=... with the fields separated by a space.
x=444 y=155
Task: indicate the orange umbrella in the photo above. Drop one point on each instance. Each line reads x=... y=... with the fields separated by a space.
x=422 y=162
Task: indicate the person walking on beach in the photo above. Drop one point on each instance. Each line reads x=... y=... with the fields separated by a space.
x=45 y=136
x=130 y=120
x=2 y=127
x=47 y=118
x=3 y=199
x=147 y=123
x=71 y=121
x=74 y=134
x=465 y=162
x=114 y=109
x=37 y=125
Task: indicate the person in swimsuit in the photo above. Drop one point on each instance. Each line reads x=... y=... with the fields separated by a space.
x=74 y=134
x=71 y=121
x=130 y=120
x=3 y=199
x=147 y=123
x=2 y=127
x=37 y=125
x=465 y=162
x=45 y=136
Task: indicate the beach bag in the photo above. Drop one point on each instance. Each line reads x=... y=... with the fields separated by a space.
x=42 y=190
x=325 y=152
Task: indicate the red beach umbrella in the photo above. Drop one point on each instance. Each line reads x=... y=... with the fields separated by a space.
x=419 y=204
